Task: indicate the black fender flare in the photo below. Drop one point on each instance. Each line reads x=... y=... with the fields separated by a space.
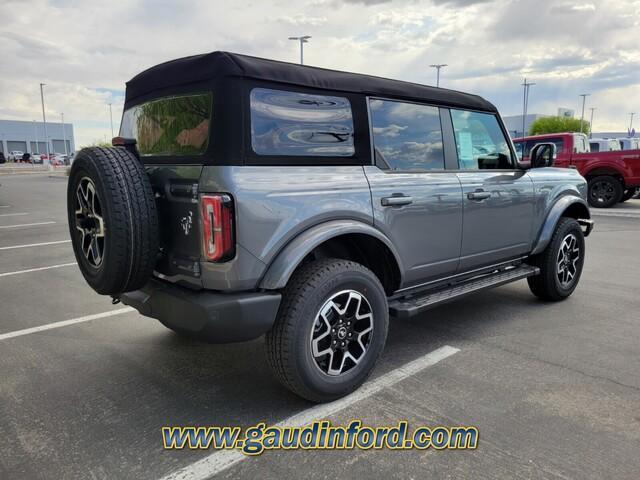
x=288 y=259
x=554 y=215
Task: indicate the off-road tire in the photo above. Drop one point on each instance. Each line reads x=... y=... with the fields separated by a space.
x=130 y=219
x=547 y=285
x=288 y=347
x=613 y=193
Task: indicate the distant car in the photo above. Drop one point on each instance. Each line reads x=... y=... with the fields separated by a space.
x=2 y=159
x=58 y=159
x=15 y=155
x=629 y=143
x=604 y=145
x=36 y=158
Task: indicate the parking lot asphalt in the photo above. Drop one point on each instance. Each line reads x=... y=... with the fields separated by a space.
x=554 y=388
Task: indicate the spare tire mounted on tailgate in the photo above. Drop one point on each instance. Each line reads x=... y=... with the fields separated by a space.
x=113 y=220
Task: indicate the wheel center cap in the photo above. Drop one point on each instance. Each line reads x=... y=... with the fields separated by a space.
x=342 y=333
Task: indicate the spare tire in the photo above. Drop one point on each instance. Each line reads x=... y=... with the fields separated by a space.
x=113 y=221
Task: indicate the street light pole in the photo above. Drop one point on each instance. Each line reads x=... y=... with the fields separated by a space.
x=64 y=135
x=525 y=104
x=584 y=100
x=44 y=121
x=35 y=131
x=591 y=123
x=632 y=114
x=303 y=39
x=438 y=66
x=111 y=119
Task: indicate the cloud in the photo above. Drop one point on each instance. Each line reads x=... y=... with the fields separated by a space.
x=391 y=131
x=367 y=2
x=301 y=20
x=569 y=8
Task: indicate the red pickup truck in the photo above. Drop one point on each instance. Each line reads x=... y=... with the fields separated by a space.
x=613 y=176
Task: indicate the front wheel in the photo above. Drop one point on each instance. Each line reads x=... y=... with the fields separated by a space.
x=560 y=263
x=331 y=329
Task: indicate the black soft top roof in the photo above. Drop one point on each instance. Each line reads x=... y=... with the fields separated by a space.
x=216 y=65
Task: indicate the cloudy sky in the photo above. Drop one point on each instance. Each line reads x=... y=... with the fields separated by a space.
x=85 y=50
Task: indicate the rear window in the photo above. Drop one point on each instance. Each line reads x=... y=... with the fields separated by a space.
x=170 y=126
x=285 y=123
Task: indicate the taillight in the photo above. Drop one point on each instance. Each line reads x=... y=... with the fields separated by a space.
x=218 y=243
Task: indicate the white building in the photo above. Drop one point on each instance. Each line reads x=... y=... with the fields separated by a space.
x=30 y=137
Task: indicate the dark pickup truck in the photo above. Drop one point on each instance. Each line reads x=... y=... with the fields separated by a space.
x=613 y=176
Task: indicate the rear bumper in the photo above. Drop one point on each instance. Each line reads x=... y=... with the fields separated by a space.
x=210 y=316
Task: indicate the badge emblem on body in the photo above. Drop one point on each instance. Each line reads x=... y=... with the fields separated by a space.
x=187 y=222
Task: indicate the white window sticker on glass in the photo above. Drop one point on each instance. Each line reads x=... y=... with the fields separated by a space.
x=465 y=147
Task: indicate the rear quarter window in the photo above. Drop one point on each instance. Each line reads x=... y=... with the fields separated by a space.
x=286 y=123
x=176 y=125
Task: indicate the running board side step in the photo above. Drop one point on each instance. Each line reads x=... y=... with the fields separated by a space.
x=414 y=305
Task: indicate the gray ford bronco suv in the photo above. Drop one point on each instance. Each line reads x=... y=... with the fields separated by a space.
x=246 y=196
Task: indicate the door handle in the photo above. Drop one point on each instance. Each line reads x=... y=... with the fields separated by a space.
x=396 y=201
x=478 y=195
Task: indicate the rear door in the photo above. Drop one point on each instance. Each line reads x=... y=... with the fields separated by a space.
x=417 y=203
x=498 y=198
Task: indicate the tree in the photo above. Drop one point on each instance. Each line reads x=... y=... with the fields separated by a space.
x=558 y=125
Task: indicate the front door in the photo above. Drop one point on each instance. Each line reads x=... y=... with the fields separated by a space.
x=498 y=197
x=417 y=203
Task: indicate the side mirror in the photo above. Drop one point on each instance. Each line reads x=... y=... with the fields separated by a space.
x=542 y=155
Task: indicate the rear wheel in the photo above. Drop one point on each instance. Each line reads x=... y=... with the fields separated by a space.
x=604 y=191
x=560 y=263
x=112 y=220
x=331 y=329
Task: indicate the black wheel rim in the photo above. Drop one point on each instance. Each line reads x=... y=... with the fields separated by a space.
x=90 y=222
x=603 y=191
x=342 y=332
x=567 y=260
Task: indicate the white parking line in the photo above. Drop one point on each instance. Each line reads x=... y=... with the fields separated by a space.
x=12 y=214
x=615 y=214
x=35 y=244
x=223 y=459
x=64 y=323
x=37 y=269
x=26 y=225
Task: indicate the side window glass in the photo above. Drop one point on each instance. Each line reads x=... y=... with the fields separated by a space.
x=480 y=141
x=299 y=124
x=559 y=143
x=518 y=146
x=527 y=149
x=595 y=147
x=406 y=136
